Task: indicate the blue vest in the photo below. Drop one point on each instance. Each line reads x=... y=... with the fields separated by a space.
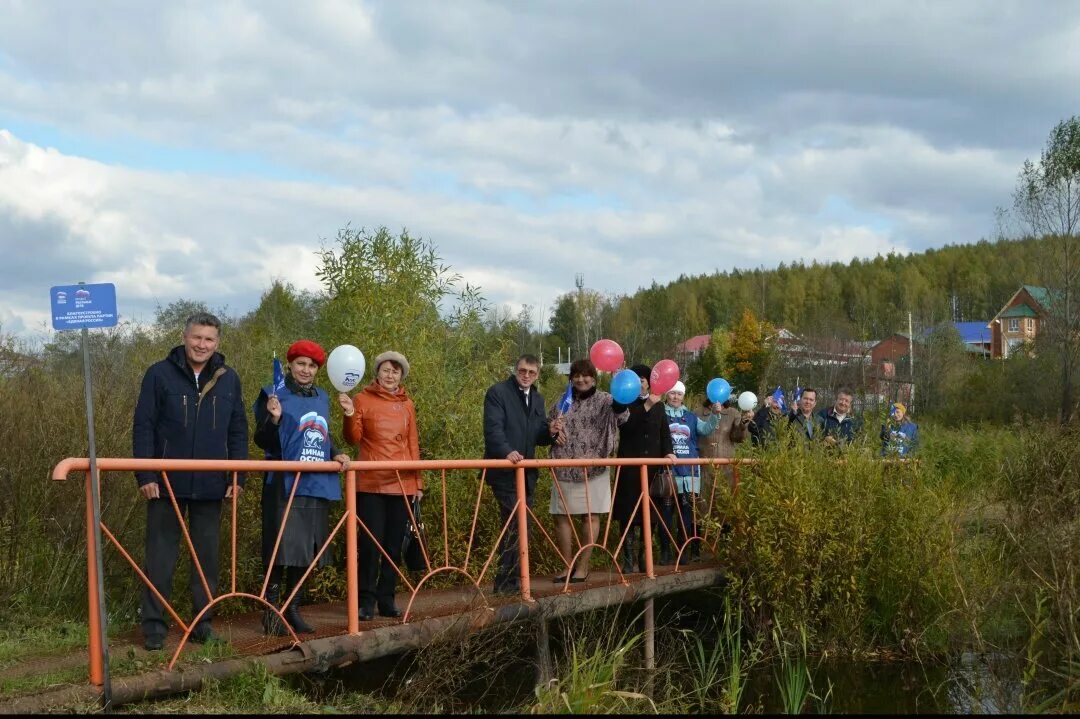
x=304 y=434
x=684 y=445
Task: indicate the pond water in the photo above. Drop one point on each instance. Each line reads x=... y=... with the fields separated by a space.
x=497 y=674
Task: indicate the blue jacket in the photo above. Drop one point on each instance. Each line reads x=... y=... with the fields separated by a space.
x=901 y=440
x=844 y=431
x=177 y=417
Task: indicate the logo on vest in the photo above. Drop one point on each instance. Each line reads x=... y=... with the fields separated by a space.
x=315 y=432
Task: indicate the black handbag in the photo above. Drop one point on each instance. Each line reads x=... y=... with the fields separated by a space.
x=412 y=552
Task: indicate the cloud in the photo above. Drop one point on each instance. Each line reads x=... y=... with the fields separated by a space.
x=201 y=150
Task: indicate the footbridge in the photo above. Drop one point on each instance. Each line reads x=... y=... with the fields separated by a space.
x=450 y=597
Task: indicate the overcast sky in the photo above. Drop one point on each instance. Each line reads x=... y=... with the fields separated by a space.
x=201 y=150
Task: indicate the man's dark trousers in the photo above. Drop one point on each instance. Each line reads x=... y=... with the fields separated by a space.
x=163 y=539
x=505 y=492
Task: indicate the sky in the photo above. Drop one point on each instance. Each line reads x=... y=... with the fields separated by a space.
x=202 y=150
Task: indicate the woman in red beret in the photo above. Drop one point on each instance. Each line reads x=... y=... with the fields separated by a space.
x=381 y=421
x=292 y=424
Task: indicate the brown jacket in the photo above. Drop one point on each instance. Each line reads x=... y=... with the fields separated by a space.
x=729 y=432
x=383 y=427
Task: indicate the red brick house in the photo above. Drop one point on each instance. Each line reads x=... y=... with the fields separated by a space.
x=688 y=351
x=1018 y=321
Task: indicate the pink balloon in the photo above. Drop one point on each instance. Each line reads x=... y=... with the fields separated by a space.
x=665 y=374
x=606 y=355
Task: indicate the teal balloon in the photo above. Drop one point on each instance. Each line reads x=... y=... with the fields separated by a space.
x=718 y=390
x=625 y=386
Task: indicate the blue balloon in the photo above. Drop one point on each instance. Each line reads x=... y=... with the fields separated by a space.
x=625 y=386
x=718 y=390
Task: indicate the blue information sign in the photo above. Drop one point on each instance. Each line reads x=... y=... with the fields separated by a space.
x=77 y=306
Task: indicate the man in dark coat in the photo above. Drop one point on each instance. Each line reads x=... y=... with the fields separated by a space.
x=839 y=426
x=515 y=423
x=190 y=407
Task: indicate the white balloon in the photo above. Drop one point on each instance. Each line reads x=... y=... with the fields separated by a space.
x=345 y=367
x=747 y=401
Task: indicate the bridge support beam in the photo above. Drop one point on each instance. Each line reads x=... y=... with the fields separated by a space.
x=650 y=635
x=545 y=671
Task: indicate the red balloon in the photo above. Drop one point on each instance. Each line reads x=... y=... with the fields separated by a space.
x=665 y=374
x=606 y=355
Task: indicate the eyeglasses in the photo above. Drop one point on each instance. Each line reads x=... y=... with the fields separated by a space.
x=526 y=372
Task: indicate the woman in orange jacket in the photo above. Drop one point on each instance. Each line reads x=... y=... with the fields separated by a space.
x=381 y=421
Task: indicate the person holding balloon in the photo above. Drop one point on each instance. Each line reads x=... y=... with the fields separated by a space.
x=685 y=428
x=587 y=428
x=731 y=429
x=380 y=421
x=291 y=424
x=645 y=434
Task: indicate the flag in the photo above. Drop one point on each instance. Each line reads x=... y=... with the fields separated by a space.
x=279 y=376
x=778 y=397
x=567 y=399
x=798 y=393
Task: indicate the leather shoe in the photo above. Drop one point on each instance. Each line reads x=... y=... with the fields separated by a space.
x=579 y=580
x=205 y=636
x=153 y=642
x=365 y=614
x=389 y=610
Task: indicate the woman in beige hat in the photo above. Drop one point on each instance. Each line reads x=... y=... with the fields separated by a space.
x=381 y=421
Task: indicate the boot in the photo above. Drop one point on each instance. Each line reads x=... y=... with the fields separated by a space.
x=271 y=624
x=627 y=564
x=292 y=612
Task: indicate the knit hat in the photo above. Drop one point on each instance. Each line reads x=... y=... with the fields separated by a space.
x=898 y=406
x=642 y=370
x=392 y=356
x=306 y=348
x=679 y=387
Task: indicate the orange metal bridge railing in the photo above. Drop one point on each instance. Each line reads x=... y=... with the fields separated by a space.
x=644 y=510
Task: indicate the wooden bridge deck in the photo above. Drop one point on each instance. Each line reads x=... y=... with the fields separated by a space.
x=437 y=614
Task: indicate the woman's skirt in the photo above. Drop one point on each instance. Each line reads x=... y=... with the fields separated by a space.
x=306 y=528
x=592 y=496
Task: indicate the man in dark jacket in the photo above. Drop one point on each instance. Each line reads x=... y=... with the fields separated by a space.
x=803 y=420
x=190 y=407
x=515 y=423
x=839 y=426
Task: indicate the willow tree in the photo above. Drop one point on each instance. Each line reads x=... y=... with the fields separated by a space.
x=1047 y=199
x=394 y=292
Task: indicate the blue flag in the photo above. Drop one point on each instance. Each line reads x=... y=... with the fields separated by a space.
x=279 y=376
x=778 y=396
x=567 y=399
x=798 y=393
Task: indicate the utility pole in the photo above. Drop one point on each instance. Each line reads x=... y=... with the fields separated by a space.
x=540 y=329
x=579 y=282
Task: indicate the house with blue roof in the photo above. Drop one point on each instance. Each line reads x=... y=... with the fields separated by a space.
x=1019 y=320
x=976 y=336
